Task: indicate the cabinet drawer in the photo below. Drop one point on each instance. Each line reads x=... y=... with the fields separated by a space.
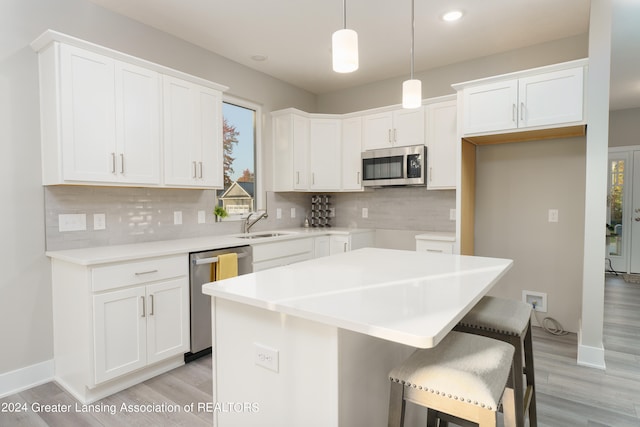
x=434 y=246
x=287 y=248
x=132 y=273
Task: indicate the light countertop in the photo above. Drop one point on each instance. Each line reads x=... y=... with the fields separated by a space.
x=437 y=235
x=120 y=253
x=413 y=298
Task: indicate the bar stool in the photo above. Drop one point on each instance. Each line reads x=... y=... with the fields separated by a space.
x=463 y=376
x=509 y=321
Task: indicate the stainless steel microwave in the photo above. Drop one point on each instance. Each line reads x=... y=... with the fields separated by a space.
x=394 y=166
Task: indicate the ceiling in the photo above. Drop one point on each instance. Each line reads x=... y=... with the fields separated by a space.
x=295 y=35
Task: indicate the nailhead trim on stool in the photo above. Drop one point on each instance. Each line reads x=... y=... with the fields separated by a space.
x=464 y=376
x=509 y=321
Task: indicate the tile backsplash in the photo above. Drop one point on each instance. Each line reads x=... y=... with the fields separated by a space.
x=135 y=215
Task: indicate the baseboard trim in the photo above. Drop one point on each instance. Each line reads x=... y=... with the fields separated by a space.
x=24 y=378
x=589 y=356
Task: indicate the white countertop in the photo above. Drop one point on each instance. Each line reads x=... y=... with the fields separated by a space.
x=119 y=253
x=413 y=298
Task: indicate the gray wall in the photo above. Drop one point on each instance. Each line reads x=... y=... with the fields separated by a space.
x=25 y=285
x=516 y=185
x=624 y=127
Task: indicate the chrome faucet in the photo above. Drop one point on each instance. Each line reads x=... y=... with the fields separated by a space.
x=248 y=224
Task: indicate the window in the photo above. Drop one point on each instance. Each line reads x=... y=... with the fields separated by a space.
x=240 y=195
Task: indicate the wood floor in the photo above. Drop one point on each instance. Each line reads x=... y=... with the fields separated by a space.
x=568 y=395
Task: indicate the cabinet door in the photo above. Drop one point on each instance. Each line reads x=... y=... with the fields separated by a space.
x=180 y=166
x=408 y=127
x=87 y=116
x=192 y=134
x=339 y=244
x=551 y=98
x=352 y=154
x=137 y=92
x=491 y=107
x=377 y=131
x=321 y=246
x=325 y=152
x=119 y=332
x=209 y=138
x=167 y=319
x=442 y=141
x=283 y=173
x=300 y=144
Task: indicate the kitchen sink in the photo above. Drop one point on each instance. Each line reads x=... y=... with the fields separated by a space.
x=261 y=235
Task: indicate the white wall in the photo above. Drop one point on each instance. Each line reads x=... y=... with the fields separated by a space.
x=25 y=288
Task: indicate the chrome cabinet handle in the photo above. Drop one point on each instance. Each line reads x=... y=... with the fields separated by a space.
x=297 y=177
x=313 y=178
x=122 y=163
x=113 y=163
x=389 y=135
x=151 y=310
x=144 y=308
x=358 y=177
x=345 y=246
x=513 y=113
x=200 y=165
x=522 y=111
x=395 y=135
x=431 y=174
x=140 y=273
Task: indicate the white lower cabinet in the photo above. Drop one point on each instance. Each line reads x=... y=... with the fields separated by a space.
x=436 y=242
x=133 y=326
x=276 y=254
x=321 y=246
x=137 y=326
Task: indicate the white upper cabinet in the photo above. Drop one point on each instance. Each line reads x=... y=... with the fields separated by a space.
x=290 y=152
x=192 y=135
x=401 y=127
x=108 y=127
x=442 y=140
x=535 y=99
x=101 y=119
x=352 y=153
x=325 y=152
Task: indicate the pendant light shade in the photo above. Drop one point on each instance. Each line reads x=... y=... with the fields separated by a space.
x=411 y=93
x=412 y=88
x=344 y=45
x=345 y=51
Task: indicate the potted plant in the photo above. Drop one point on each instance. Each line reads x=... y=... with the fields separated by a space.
x=220 y=213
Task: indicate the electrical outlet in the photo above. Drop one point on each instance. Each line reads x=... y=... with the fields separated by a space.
x=266 y=357
x=365 y=213
x=279 y=213
x=452 y=214
x=293 y=212
x=538 y=300
x=553 y=215
x=332 y=212
x=99 y=221
x=177 y=217
x=202 y=217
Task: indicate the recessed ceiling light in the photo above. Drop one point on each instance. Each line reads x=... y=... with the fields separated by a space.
x=453 y=15
x=259 y=57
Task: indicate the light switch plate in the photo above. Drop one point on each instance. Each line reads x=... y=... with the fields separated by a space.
x=279 y=213
x=293 y=212
x=202 y=217
x=452 y=214
x=72 y=222
x=553 y=215
x=177 y=217
x=365 y=213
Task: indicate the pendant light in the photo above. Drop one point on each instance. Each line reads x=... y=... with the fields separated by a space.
x=345 y=46
x=412 y=88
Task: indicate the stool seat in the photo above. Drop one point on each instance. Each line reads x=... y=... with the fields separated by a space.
x=509 y=321
x=463 y=369
x=499 y=315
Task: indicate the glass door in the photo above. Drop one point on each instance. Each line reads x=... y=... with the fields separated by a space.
x=634 y=217
x=616 y=230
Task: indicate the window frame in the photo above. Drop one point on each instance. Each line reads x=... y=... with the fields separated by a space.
x=260 y=199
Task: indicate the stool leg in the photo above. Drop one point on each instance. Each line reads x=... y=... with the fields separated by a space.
x=510 y=403
x=396 y=405
x=517 y=382
x=529 y=371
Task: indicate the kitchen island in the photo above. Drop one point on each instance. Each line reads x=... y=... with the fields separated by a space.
x=312 y=343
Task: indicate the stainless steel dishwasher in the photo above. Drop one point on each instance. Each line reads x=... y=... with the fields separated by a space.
x=200 y=264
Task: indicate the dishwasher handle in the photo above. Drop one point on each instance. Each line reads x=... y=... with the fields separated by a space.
x=212 y=260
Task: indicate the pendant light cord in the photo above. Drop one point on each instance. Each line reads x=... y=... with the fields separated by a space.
x=344 y=13
x=413 y=29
